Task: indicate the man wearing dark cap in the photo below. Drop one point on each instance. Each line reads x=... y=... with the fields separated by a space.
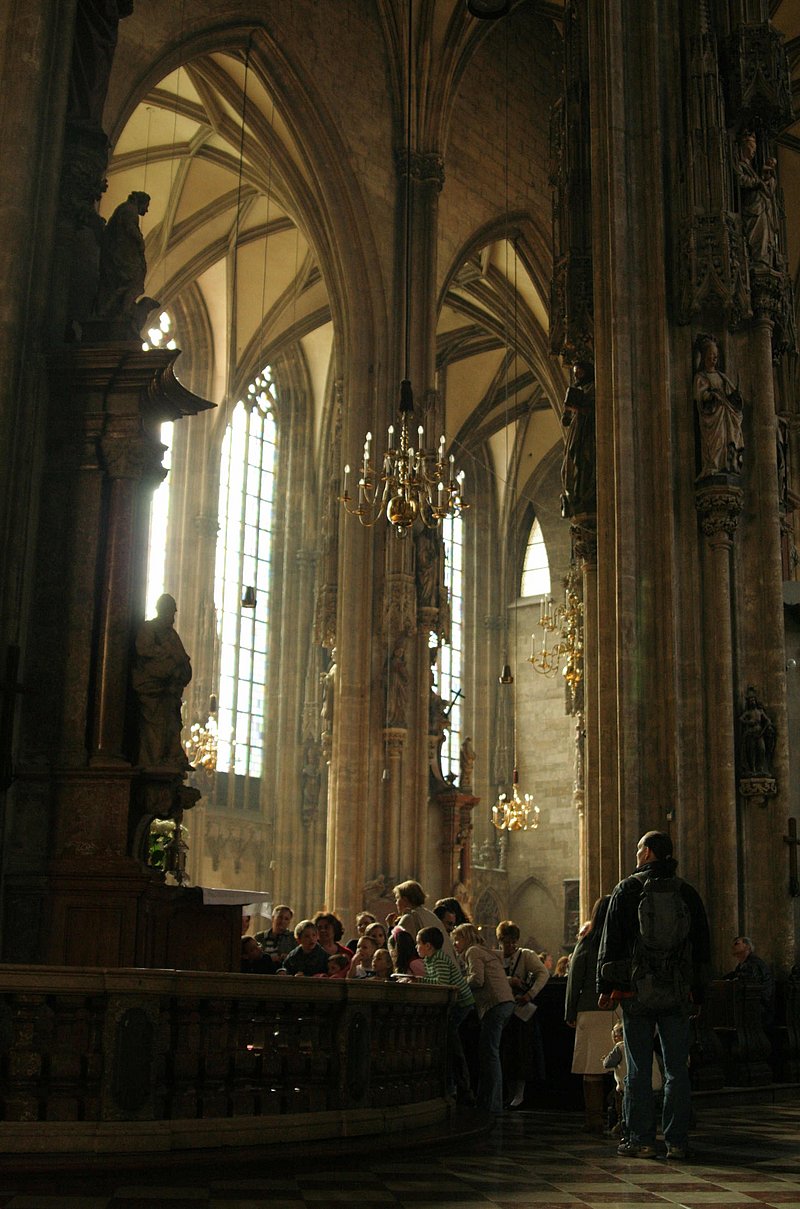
x=654 y=960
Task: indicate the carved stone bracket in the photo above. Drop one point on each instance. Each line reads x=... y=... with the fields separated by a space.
x=584 y=539
x=758 y=789
x=719 y=507
x=127 y=452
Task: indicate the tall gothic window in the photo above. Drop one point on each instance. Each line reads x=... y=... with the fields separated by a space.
x=159 y=336
x=448 y=679
x=242 y=590
x=536 y=568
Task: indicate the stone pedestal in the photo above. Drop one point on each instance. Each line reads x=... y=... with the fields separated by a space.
x=78 y=783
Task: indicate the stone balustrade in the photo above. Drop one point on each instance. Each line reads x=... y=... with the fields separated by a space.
x=140 y=1060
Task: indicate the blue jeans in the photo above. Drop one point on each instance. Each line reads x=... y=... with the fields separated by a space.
x=490 y=1085
x=640 y=1117
x=457 y=1070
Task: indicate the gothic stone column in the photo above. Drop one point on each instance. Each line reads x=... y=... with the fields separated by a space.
x=719 y=507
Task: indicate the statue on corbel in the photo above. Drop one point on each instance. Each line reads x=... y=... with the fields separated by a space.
x=757 y=188
x=161 y=671
x=579 y=469
x=311 y=779
x=719 y=408
x=756 y=747
x=397 y=678
x=438 y=722
x=433 y=605
x=328 y=681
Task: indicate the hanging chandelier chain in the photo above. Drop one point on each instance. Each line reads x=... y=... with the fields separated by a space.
x=566 y=622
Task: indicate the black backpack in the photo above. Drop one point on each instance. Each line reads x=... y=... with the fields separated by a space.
x=661 y=966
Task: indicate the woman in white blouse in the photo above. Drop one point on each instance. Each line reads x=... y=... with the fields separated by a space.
x=494 y=1001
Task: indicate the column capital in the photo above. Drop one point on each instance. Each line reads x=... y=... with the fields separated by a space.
x=424 y=167
x=719 y=507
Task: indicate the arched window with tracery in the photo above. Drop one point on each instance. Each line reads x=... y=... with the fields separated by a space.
x=536 y=567
x=242 y=590
x=450 y=662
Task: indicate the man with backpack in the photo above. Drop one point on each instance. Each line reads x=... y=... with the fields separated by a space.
x=654 y=960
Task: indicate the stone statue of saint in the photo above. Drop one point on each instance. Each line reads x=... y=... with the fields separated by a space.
x=759 y=210
x=578 y=469
x=311 y=777
x=428 y=571
x=719 y=412
x=123 y=267
x=757 y=738
x=328 y=680
x=397 y=685
x=161 y=671
x=467 y=762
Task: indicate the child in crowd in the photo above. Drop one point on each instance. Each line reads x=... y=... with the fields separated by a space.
x=407 y=964
x=442 y=970
x=615 y=1060
x=361 y=965
x=309 y=958
x=378 y=933
x=363 y=920
x=254 y=960
x=338 y=965
x=382 y=968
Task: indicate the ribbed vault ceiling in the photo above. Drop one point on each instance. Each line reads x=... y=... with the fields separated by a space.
x=230 y=211
x=232 y=205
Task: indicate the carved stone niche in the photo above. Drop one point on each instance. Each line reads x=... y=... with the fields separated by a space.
x=756 y=75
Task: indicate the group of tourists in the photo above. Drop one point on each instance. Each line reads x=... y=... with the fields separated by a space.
x=636 y=978
x=491 y=1027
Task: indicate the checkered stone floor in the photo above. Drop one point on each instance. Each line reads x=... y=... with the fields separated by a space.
x=530 y=1161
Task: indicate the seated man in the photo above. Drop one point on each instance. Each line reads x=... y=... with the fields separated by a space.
x=750 y=968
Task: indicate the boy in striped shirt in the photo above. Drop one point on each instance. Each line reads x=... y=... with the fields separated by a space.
x=441 y=969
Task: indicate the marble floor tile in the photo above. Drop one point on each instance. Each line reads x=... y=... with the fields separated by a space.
x=528 y=1161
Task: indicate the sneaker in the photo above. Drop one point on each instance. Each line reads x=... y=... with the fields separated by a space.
x=677 y=1152
x=630 y=1150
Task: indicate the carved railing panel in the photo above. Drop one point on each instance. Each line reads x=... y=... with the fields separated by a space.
x=138 y=1045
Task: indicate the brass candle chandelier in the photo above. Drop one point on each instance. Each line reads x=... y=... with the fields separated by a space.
x=566 y=622
x=512 y=812
x=412 y=481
